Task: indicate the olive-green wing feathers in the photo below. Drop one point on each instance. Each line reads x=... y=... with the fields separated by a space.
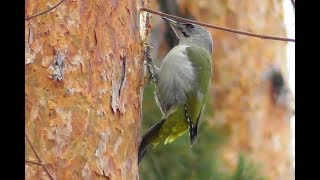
x=201 y=61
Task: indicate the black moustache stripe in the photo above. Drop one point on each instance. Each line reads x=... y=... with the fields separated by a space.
x=184 y=33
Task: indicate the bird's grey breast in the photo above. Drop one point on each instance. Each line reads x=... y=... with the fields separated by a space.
x=176 y=78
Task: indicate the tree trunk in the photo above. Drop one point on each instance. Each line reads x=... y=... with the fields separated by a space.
x=245 y=103
x=83 y=75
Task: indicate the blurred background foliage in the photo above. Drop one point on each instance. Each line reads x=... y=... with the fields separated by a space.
x=245 y=129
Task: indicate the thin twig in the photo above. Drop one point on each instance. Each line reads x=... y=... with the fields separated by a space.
x=32 y=162
x=36 y=15
x=216 y=27
x=293 y=4
x=37 y=156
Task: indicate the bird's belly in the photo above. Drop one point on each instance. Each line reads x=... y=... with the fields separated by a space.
x=175 y=81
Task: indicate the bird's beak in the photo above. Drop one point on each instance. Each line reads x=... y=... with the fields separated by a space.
x=172 y=23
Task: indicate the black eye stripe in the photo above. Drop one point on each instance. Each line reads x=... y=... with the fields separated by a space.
x=190 y=25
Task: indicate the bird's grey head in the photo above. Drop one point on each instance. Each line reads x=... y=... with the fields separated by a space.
x=191 y=34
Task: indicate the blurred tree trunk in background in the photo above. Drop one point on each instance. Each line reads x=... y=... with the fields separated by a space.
x=83 y=72
x=248 y=104
x=243 y=103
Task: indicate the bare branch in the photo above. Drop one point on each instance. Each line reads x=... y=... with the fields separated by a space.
x=216 y=27
x=36 y=15
x=37 y=156
x=32 y=162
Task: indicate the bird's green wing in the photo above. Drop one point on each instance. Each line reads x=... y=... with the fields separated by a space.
x=174 y=126
x=165 y=131
x=201 y=61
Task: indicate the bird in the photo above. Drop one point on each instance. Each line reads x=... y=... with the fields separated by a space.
x=182 y=83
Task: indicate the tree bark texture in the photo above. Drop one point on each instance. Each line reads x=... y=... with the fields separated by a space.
x=83 y=75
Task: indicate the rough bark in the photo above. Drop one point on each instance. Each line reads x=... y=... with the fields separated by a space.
x=242 y=98
x=83 y=75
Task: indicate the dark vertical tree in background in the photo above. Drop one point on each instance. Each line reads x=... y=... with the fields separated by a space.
x=245 y=133
x=83 y=75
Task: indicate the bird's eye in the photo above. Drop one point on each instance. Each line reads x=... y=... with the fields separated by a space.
x=190 y=25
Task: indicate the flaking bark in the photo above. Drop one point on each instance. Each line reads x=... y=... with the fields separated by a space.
x=83 y=75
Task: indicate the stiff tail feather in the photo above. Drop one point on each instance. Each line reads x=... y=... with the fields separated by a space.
x=146 y=139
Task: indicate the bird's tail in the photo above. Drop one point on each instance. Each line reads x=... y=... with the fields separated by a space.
x=146 y=139
x=193 y=134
